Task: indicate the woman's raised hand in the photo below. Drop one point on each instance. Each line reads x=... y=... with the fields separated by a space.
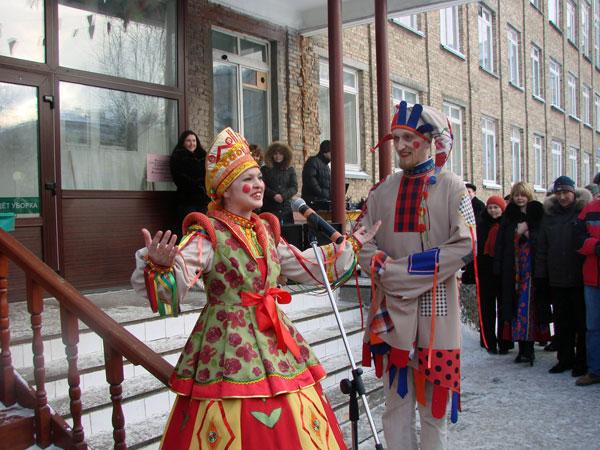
x=363 y=235
x=161 y=248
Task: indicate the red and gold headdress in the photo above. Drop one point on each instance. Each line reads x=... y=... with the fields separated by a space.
x=227 y=157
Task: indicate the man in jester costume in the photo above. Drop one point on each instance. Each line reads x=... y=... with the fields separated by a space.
x=413 y=331
x=246 y=378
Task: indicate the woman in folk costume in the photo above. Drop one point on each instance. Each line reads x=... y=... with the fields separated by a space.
x=414 y=328
x=514 y=261
x=246 y=378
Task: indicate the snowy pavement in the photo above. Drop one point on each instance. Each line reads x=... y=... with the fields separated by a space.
x=515 y=406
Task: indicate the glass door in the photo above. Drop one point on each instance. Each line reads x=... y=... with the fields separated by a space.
x=27 y=175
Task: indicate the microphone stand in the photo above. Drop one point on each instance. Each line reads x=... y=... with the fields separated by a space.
x=356 y=386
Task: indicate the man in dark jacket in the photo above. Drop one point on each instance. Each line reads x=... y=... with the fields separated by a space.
x=558 y=264
x=478 y=205
x=316 y=178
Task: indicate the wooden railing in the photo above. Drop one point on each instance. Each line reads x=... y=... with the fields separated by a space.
x=118 y=343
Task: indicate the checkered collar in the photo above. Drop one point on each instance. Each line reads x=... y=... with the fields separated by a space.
x=421 y=169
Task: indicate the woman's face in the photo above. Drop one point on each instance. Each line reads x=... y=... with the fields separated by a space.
x=278 y=156
x=494 y=211
x=190 y=142
x=245 y=193
x=520 y=199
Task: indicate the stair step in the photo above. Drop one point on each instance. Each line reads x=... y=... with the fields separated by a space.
x=16 y=428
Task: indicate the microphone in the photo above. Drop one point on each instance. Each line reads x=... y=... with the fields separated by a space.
x=316 y=221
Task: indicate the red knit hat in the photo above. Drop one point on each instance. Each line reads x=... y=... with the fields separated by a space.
x=496 y=200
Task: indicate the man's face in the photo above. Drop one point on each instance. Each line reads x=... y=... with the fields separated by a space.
x=411 y=148
x=471 y=192
x=565 y=198
x=327 y=155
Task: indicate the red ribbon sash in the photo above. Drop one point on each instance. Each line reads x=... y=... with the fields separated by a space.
x=267 y=317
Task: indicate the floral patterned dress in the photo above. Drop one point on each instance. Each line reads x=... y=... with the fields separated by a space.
x=246 y=377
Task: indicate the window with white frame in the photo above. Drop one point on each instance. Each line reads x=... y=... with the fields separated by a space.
x=411 y=21
x=571 y=22
x=455 y=160
x=556 y=161
x=586 y=168
x=515 y=153
x=585 y=28
x=597 y=32
x=400 y=93
x=536 y=75
x=555 y=82
x=572 y=94
x=554 y=12
x=488 y=130
x=587 y=104
x=241 y=76
x=597 y=110
x=486 y=39
x=538 y=161
x=514 y=69
x=573 y=164
x=450 y=28
x=597 y=165
x=537 y=4
x=351 y=131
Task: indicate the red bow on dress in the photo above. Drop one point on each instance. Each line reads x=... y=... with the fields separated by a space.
x=267 y=317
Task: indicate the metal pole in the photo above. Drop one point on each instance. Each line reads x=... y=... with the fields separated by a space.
x=383 y=87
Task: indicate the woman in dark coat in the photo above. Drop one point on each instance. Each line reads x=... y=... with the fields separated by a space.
x=513 y=261
x=188 y=172
x=280 y=181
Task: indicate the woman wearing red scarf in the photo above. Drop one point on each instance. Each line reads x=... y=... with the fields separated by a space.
x=489 y=285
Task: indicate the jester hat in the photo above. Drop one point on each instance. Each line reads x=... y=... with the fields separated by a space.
x=227 y=158
x=428 y=123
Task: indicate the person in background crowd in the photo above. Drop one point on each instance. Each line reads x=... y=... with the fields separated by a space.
x=593 y=188
x=489 y=285
x=478 y=205
x=560 y=266
x=257 y=153
x=188 y=172
x=413 y=328
x=514 y=261
x=246 y=378
x=280 y=181
x=587 y=243
x=316 y=177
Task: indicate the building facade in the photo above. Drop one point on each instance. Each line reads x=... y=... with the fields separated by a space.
x=95 y=93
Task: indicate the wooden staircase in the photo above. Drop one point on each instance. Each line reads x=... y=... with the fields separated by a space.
x=110 y=390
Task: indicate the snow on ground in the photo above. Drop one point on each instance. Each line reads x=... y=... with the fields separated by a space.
x=515 y=406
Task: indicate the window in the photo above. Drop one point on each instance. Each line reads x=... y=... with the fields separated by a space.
x=536 y=77
x=241 y=77
x=455 y=160
x=573 y=103
x=587 y=105
x=400 y=93
x=597 y=32
x=537 y=4
x=19 y=41
x=556 y=166
x=571 y=22
x=488 y=130
x=514 y=68
x=450 y=31
x=411 y=22
x=585 y=29
x=554 y=12
x=351 y=134
x=597 y=167
x=538 y=161
x=555 y=81
x=597 y=110
x=515 y=152
x=573 y=164
x=486 y=39
x=586 y=169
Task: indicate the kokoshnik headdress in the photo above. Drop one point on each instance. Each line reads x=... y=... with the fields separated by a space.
x=428 y=123
x=227 y=157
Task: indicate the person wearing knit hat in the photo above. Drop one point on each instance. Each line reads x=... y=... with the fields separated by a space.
x=245 y=378
x=427 y=234
x=558 y=266
x=498 y=201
